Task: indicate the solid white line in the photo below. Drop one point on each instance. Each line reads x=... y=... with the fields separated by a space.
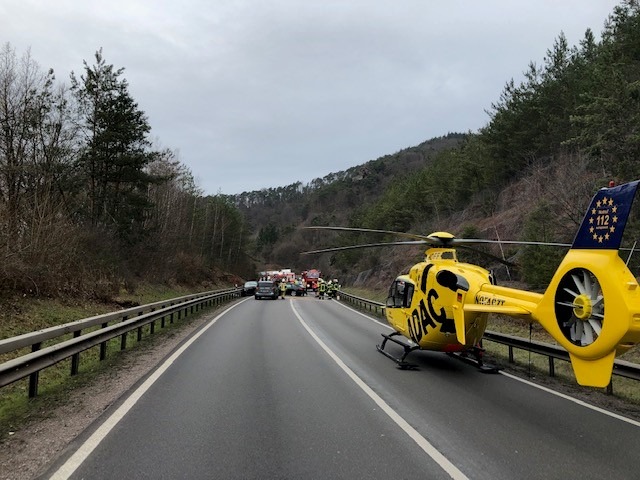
x=385 y=325
x=83 y=452
x=422 y=442
x=546 y=389
x=574 y=400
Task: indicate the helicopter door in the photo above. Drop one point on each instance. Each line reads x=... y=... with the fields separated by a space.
x=400 y=294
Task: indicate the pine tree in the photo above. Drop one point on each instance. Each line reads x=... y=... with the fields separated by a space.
x=116 y=153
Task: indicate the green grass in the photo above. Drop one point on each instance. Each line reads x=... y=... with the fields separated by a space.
x=379 y=297
x=24 y=315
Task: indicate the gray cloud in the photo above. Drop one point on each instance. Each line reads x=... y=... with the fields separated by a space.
x=258 y=94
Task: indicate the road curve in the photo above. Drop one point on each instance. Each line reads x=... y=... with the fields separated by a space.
x=294 y=388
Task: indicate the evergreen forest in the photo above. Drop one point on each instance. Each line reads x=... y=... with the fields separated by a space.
x=89 y=205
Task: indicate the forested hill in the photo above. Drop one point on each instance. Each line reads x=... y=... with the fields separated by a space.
x=275 y=213
x=552 y=140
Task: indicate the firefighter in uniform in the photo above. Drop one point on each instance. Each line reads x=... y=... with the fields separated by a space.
x=283 y=288
x=322 y=288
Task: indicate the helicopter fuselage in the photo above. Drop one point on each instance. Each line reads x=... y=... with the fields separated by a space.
x=421 y=304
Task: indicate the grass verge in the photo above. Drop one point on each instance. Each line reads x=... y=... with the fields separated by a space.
x=55 y=383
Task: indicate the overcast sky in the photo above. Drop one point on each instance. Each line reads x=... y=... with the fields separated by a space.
x=256 y=94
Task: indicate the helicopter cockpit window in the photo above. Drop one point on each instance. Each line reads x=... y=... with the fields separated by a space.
x=400 y=294
x=448 y=256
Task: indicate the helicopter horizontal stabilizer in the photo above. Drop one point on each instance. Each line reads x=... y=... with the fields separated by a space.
x=512 y=310
x=593 y=373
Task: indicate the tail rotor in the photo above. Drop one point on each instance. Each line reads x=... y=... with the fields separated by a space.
x=580 y=307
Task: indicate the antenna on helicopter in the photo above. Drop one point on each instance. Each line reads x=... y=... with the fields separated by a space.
x=502 y=252
x=631 y=252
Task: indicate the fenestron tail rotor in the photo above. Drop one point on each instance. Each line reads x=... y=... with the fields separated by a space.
x=580 y=307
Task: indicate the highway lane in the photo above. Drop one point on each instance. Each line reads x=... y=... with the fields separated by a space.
x=490 y=426
x=262 y=394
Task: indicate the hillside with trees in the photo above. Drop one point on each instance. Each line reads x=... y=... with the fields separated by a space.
x=87 y=205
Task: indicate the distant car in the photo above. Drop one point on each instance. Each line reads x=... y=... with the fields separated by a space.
x=249 y=288
x=295 y=289
x=267 y=289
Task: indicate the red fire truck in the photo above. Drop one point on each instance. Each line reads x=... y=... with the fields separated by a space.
x=311 y=278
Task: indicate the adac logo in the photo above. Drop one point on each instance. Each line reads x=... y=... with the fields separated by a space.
x=604 y=223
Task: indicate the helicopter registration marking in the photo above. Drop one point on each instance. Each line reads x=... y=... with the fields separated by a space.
x=487 y=300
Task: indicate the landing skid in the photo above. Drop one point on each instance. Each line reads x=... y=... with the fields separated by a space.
x=407 y=350
x=474 y=357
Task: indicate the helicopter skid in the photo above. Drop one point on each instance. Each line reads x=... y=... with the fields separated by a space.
x=475 y=360
x=407 y=350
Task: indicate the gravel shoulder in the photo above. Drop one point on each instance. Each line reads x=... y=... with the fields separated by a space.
x=32 y=447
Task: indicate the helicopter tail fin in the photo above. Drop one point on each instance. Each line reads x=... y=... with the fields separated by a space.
x=592 y=305
x=593 y=372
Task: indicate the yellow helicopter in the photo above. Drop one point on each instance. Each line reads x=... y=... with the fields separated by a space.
x=443 y=305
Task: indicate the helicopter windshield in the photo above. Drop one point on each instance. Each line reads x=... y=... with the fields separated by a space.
x=400 y=294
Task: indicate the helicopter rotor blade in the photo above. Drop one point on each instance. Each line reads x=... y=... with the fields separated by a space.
x=367 y=245
x=438 y=239
x=416 y=236
x=486 y=254
x=463 y=241
x=408 y=242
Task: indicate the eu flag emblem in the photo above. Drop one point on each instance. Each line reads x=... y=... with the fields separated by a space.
x=604 y=222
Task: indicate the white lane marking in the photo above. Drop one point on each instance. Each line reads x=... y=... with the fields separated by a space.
x=83 y=452
x=546 y=389
x=572 y=399
x=365 y=316
x=422 y=442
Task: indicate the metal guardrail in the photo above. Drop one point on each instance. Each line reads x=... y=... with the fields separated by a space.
x=122 y=322
x=621 y=368
x=363 y=303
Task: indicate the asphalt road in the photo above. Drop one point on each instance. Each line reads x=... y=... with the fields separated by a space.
x=295 y=389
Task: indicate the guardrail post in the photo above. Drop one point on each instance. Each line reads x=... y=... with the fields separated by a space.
x=510 y=354
x=152 y=325
x=75 y=358
x=123 y=338
x=33 y=378
x=552 y=367
x=139 y=330
x=610 y=387
x=103 y=345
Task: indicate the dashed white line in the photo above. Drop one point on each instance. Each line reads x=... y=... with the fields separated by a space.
x=574 y=400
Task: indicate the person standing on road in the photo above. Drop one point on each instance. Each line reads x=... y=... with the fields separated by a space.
x=283 y=289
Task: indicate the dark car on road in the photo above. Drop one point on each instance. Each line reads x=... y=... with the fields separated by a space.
x=249 y=288
x=267 y=289
x=295 y=289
